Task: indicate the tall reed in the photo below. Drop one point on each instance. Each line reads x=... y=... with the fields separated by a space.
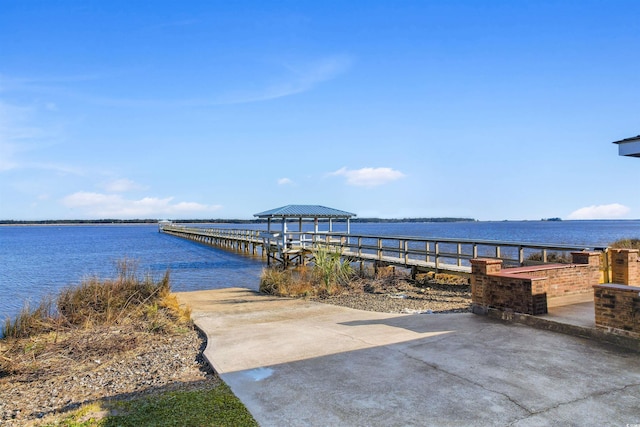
x=328 y=275
x=125 y=299
x=631 y=243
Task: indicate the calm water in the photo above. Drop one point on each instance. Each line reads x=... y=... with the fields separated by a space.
x=39 y=260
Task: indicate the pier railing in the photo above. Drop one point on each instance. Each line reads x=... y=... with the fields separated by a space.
x=429 y=253
x=438 y=253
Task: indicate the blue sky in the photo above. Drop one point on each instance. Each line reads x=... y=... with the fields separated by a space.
x=213 y=109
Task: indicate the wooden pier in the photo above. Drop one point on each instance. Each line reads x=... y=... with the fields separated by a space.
x=416 y=253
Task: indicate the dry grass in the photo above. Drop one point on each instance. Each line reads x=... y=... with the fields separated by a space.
x=298 y=282
x=552 y=258
x=328 y=275
x=127 y=303
x=626 y=244
x=309 y=282
x=32 y=321
x=441 y=278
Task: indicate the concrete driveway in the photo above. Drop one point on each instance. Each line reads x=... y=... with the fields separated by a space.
x=299 y=363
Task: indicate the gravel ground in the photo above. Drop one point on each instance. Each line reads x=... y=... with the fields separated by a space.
x=401 y=295
x=114 y=364
x=101 y=365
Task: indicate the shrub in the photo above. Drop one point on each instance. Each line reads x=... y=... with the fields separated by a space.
x=328 y=275
x=552 y=257
x=332 y=269
x=32 y=321
x=125 y=299
x=275 y=281
x=626 y=244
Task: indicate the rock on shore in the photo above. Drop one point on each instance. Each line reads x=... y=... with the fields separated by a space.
x=404 y=296
x=103 y=365
x=107 y=363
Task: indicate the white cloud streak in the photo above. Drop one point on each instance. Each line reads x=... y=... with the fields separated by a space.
x=285 y=181
x=122 y=186
x=100 y=205
x=299 y=78
x=368 y=177
x=611 y=211
x=18 y=136
x=13 y=132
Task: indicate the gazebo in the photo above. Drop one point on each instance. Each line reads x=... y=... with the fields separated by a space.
x=629 y=146
x=287 y=246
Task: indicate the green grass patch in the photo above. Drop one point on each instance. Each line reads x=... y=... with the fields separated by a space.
x=215 y=406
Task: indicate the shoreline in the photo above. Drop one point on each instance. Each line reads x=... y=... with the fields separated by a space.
x=163 y=363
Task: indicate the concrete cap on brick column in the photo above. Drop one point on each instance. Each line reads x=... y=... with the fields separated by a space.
x=584 y=257
x=486 y=265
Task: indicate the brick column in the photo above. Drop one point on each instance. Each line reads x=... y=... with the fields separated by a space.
x=590 y=258
x=486 y=266
x=616 y=309
x=593 y=260
x=625 y=268
x=481 y=268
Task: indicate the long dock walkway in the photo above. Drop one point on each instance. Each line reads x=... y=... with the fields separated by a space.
x=301 y=363
x=417 y=253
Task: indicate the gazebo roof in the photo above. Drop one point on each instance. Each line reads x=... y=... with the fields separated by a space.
x=304 y=211
x=629 y=146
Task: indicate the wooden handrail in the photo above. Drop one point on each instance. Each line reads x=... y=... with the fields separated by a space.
x=400 y=250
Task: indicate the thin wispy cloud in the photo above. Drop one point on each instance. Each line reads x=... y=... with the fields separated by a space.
x=123 y=185
x=368 y=177
x=44 y=84
x=611 y=211
x=7 y=160
x=19 y=138
x=302 y=78
x=295 y=79
x=99 y=205
x=64 y=87
x=178 y=23
x=54 y=167
x=14 y=124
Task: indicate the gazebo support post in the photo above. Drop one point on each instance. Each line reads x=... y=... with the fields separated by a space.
x=284 y=240
x=299 y=212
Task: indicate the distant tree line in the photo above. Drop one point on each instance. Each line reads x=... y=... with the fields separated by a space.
x=213 y=221
x=77 y=221
x=443 y=219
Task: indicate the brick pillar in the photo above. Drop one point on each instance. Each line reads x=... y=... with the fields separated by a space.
x=481 y=268
x=590 y=258
x=485 y=266
x=593 y=260
x=616 y=309
x=625 y=268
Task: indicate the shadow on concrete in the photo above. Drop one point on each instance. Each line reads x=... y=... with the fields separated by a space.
x=495 y=375
x=403 y=322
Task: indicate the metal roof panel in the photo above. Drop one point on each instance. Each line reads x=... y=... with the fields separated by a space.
x=304 y=211
x=629 y=146
x=622 y=141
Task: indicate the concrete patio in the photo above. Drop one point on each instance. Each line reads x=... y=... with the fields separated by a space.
x=300 y=363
